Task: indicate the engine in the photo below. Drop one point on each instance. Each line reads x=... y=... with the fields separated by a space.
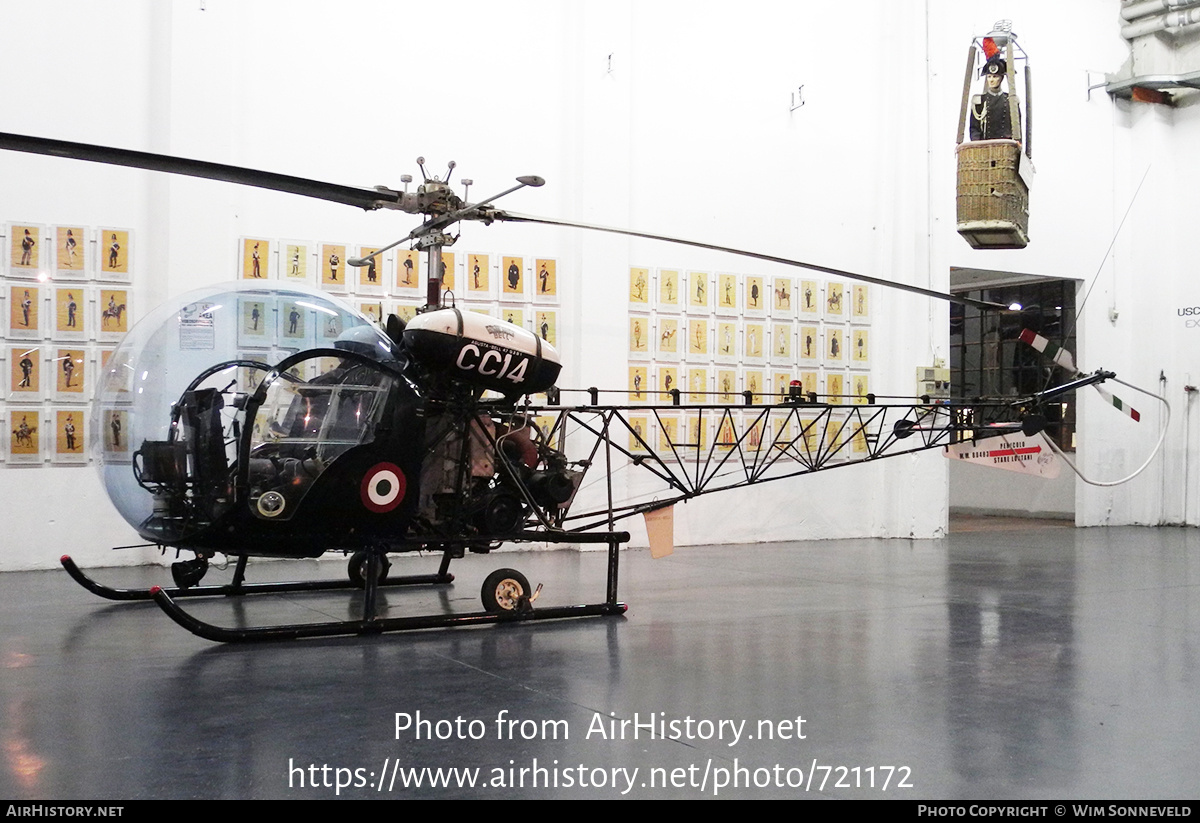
x=490 y=474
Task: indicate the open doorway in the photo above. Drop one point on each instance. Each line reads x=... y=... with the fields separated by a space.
x=987 y=359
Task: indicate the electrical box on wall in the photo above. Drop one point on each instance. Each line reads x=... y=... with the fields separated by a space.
x=934 y=381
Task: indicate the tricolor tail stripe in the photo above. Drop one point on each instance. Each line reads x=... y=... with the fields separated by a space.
x=1055 y=352
x=1119 y=404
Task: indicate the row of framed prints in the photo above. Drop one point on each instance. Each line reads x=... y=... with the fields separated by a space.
x=652 y=385
x=66 y=252
x=398 y=273
x=293 y=327
x=34 y=372
x=58 y=433
x=695 y=435
x=701 y=293
x=75 y=311
x=736 y=340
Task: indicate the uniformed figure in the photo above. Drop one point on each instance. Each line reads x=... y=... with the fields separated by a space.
x=27 y=244
x=990 y=118
x=26 y=372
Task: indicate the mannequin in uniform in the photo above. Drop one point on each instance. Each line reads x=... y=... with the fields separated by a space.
x=990 y=119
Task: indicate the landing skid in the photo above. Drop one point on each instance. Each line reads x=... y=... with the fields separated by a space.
x=239 y=587
x=521 y=606
x=220 y=634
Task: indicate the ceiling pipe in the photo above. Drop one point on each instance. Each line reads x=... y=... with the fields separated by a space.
x=1147 y=7
x=1171 y=21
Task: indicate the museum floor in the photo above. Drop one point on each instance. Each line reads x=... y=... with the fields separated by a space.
x=1036 y=661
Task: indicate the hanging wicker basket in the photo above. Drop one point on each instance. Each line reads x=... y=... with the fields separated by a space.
x=993 y=200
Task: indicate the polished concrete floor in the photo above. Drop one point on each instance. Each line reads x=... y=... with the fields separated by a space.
x=1029 y=662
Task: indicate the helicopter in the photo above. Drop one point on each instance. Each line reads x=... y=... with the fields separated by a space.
x=447 y=434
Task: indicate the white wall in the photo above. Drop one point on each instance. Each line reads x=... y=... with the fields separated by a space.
x=976 y=489
x=686 y=131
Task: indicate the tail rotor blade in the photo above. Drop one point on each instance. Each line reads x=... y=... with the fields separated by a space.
x=1049 y=348
x=1118 y=404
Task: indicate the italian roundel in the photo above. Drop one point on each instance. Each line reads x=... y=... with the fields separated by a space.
x=383 y=487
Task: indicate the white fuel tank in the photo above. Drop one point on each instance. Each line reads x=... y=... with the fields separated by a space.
x=483 y=351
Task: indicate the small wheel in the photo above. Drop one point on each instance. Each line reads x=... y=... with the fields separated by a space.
x=357 y=568
x=503 y=589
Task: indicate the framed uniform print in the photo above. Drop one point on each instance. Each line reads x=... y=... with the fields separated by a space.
x=781 y=343
x=640 y=433
x=666 y=338
x=755 y=382
x=545 y=280
x=114 y=431
x=728 y=290
x=256 y=323
x=835 y=345
x=25 y=249
x=24 y=311
x=333 y=267
x=783 y=293
x=70 y=367
x=373 y=309
x=860 y=303
x=668 y=379
x=114 y=247
x=254 y=255
x=728 y=342
x=25 y=366
x=295 y=265
x=699 y=292
x=545 y=325
x=513 y=314
x=860 y=387
x=669 y=290
x=448 y=271
x=860 y=347
x=808 y=295
x=408 y=272
x=512 y=278
x=639 y=383
x=836 y=300
x=727 y=386
x=372 y=278
x=639 y=336
x=755 y=343
x=113 y=306
x=69 y=436
x=697 y=339
x=756 y=301
x=71 y=258
x=70 y=313
x=478 y=277
x=697 y=385
x=23 y=436
x=639 y=288
x=808 y=345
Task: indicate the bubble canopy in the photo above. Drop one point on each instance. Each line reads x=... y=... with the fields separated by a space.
x=247 y=327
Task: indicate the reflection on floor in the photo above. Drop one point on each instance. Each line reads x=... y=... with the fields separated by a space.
x=992 y=523
x=1045 y=662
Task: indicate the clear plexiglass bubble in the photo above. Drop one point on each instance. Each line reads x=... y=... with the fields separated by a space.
x=206 y=330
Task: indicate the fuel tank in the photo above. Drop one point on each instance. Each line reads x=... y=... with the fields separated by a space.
x=483 y=351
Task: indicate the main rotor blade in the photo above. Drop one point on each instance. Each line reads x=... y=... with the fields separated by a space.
x=512 y=217
x=348 y=195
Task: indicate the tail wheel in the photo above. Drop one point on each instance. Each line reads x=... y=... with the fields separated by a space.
x=505 y=590
x=357 y=568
